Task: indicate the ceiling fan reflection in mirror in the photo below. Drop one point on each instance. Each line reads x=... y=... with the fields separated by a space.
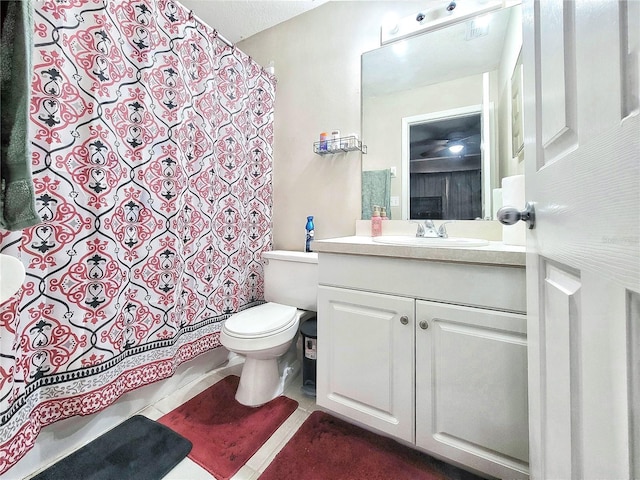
x=455 y=145
x=449 y=137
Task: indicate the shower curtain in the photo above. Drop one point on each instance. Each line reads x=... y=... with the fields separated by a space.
x=151 y=144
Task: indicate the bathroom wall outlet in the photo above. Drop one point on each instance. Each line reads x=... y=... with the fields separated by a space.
x=393 y=172
x=395 y=201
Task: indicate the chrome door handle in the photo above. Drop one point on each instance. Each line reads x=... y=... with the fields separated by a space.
x=424 y=325
x=404 y=319
x=511 y=215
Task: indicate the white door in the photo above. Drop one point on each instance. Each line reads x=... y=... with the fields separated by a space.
x=583 y=256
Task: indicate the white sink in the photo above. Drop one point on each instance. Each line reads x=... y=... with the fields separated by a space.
x=430 y=241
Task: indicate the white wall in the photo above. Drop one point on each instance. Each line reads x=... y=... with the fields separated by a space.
x=317 y=63
x=509 y=165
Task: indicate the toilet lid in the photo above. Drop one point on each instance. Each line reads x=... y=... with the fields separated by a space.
x=264 y=319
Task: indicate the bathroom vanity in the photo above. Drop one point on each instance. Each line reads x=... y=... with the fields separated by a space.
x=428 y=345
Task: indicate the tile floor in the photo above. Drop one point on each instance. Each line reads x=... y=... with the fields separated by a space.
x=187 y=469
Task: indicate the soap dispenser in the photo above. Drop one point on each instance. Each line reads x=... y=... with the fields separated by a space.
x=376 y=222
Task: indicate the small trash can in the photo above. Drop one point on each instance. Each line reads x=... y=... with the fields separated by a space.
x=309 y=331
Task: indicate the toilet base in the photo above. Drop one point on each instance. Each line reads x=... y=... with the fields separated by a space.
x=259 y=382
x=262 y=388
x=263 y=380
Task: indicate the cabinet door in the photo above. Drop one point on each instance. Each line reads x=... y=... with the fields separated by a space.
x=366 y=358
x=471 y=387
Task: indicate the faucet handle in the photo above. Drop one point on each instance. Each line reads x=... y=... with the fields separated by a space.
x=420 y=230
x=442 y=229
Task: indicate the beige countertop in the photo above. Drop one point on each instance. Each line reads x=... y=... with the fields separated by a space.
x=496 y=253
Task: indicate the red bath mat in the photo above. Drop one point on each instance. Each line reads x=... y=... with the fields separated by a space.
x=224 y=433
x=328 y=448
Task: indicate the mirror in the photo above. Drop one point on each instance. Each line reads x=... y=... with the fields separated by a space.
x=443 y=111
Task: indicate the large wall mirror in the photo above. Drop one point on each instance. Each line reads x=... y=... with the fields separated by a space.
x=442 y=110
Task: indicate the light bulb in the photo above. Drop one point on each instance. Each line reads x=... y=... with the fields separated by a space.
x=390 y=23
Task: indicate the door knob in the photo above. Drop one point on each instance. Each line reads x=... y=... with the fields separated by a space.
x=423 y=324
x=511 y=215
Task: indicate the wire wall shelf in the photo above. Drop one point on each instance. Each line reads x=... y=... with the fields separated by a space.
x=331 y=146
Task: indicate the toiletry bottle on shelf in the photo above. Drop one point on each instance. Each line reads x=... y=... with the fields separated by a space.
x=323 y=142
x=376 y=222
x=310 y=234
x=335 y=140
x=383 y=213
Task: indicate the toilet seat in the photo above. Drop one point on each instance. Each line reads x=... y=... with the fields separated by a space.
x=264 y=320
x=259 y=330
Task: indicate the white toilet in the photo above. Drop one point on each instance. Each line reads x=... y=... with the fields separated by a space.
x=265 y=335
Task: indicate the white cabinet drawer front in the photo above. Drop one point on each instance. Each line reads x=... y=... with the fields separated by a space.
x=471 y=387
x=485 y=286
x=365 y=358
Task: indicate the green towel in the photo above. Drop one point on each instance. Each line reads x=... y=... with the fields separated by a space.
x=17 y=196
x=376 y=190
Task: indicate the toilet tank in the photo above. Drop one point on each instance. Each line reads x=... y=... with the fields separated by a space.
x=291 y=278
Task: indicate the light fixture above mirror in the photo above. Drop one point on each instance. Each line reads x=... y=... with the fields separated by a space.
x=444 y=13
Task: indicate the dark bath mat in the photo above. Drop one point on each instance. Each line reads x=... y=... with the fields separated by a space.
x=138 y=448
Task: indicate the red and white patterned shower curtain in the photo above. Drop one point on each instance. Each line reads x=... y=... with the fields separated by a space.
x=152 y=162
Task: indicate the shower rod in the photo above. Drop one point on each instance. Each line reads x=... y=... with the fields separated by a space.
x=218 y=35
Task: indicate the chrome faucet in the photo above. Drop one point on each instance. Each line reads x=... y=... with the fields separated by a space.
x=431 y=231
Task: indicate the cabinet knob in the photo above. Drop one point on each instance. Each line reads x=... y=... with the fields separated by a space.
x=423 y=324
x=404 y=319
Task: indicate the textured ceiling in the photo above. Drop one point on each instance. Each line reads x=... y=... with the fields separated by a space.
x=236 y=20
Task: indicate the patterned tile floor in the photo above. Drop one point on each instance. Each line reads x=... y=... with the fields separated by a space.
x=187 y=469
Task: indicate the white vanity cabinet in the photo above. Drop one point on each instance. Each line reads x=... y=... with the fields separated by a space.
x=367 y=362
x=471 y=387
x=431 y=353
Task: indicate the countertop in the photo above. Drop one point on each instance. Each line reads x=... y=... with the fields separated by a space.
x=496 y=253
